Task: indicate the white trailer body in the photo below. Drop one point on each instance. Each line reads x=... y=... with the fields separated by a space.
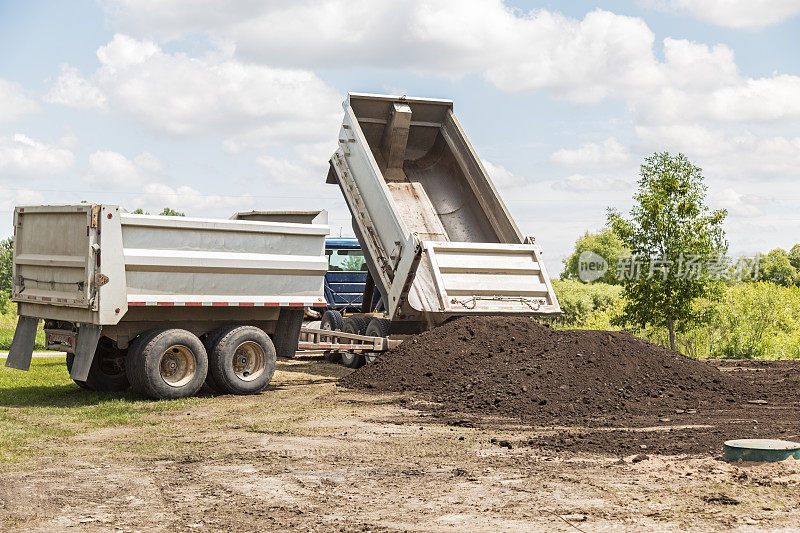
x=438 y=239
x=95 y=270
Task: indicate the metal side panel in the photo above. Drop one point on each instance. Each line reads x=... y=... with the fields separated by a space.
x=475 y=278
x=53 y=257
x=110 y=282
x=177 y=261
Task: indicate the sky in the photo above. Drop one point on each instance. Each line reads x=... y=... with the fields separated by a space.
x=216 y=107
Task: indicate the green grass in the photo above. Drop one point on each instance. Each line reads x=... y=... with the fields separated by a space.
x=751 y=321
x=8 y=322
x=44 y=406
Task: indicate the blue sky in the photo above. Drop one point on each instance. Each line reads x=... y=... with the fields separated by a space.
x=212 y=110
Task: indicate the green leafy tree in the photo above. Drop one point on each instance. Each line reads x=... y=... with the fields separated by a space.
x=670 y=227
x=794 y=257
x=776 y=267
x=605 y=244
x=6 y=263
x=169 y=212
x=139 y=211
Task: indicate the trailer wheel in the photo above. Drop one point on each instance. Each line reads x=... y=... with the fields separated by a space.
x=356 y=324
x=167 y=364
x=378 y=327
x=107 y=373
x=242 y=361
x=353 y=360
x=332 y=321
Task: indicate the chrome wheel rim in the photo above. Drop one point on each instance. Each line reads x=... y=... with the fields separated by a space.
x=177 y=366
x=249 y=361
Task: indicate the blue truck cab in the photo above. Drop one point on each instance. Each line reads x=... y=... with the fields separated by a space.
x=347 y=274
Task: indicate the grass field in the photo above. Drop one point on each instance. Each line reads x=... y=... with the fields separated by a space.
x=8 y=322
x=44 y=406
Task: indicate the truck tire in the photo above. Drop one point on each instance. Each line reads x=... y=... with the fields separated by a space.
x=332 y=320
x=242 y=360
x=209 y=340
x=356 y=324
x=107 y=373
x=287 y=332
x=378 y=327
x=167 y=364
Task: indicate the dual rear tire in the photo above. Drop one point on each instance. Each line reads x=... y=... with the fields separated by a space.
x=174 y=363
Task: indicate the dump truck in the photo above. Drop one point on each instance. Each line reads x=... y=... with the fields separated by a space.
x=437 y=238
x=165 y=304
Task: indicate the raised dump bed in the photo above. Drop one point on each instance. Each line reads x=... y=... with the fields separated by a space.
x=438 y=239
x=164 y=303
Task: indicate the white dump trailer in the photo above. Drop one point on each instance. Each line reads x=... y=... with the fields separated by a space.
x=164 y=303
x=438 y=239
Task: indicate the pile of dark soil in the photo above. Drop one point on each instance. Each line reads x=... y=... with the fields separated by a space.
x=518 y=367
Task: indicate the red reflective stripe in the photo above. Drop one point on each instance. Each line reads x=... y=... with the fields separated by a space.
x=296 y=304
x=323 y=304
x=271 y=304
x=246 y=304
x=165 y=303
x=136 y=304
x=193 y=304
x=219 y=304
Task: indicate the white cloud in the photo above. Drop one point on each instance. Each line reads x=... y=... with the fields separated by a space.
x=739 y=204
x=250 y=105
x=744 y=155
x=10 y=198
x=740 y=14
x=112 y=169
x=608 y=154
x=581 y=183
x=13 y=102
x=73 y=90
x=502 y=177
x=188 y=199
x=150 y=162
x=602 y=55
x=24 y=157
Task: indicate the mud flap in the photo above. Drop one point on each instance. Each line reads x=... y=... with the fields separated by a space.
x=85 y=346
x=21 y=351
x=287 y=332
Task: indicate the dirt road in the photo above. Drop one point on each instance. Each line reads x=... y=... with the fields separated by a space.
x=309 y=455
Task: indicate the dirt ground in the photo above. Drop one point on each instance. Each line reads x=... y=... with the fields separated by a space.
x=310 y=455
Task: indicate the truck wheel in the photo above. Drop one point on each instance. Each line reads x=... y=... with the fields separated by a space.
x=167 y=364
x=378 y=327
x=242 y=360
x=209 y=340
x=353 y=360
x=107 y=373
x=356 y=324
x=332 y=320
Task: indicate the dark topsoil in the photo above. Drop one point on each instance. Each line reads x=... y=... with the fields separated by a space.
x=593 y=390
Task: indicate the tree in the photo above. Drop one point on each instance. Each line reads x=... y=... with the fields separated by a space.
x=607 y=245
x=169 y=212
x=6 y=263
x=777 y=267
x=670 y=232
x=794 y=257
x=139 y=211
